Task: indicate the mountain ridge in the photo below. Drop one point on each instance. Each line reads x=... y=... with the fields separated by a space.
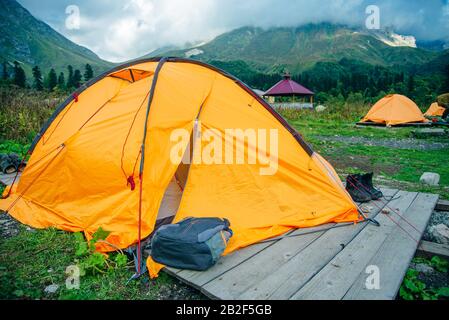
x=31 y=42
x=247 y=49
x=300 y=48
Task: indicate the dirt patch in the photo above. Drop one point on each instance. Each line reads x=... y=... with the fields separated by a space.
x=362 y=164
x=9 y=227
x=408 y=143
x=430 y=275
x=179 y=291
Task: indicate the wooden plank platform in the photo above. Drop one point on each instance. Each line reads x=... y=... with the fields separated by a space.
x=410 y=124
x=324 y=262
x=432 y=248
x=442 y=205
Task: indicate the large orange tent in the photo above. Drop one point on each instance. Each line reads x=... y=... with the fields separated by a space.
x=104 y=160
x=434 y=110
x=394 y=109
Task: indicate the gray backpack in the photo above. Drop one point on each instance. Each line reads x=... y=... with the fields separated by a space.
x=193 y=243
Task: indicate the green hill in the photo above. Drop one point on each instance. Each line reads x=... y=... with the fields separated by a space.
x=300 y=48
x=32 y=42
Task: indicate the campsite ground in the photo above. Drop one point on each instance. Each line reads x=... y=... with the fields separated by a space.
x=32 y=260
x=396 y=157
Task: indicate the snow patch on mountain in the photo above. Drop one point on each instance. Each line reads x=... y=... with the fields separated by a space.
x=193 y=52
x=396 y=40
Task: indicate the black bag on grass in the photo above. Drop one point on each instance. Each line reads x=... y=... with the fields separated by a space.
x=193 y=243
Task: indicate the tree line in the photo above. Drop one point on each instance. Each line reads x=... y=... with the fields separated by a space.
x=52 y=80
x=348 y=77
x=327 y=79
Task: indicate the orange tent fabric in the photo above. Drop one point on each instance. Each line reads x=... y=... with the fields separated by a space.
x=394 y=109
x=434 y=110
x=78 y=175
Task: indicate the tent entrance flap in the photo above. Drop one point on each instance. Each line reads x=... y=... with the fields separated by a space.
x=171 y=200
x=173 y=194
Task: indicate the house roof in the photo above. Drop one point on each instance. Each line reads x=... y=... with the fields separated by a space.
x=287 y=87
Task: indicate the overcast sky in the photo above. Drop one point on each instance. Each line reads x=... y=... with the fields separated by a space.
x=119 y=30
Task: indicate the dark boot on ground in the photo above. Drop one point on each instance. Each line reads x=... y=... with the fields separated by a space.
x=367 y=181
x=355 y=188
x=7 y=164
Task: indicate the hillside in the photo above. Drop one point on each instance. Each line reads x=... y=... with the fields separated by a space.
x=32 y=42
x=298 y=49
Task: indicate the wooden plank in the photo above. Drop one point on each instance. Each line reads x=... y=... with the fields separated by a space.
x=291 y=276
x=234 y=282
x=396 y=252
x=198 y=279
x=334 y=280
x=433 y=248
x=442 y=205
x=410 y=124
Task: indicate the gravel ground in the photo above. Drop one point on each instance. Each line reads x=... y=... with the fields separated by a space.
x=408 y=143
x=437 y=217
x=179 y=291
x=9 y=227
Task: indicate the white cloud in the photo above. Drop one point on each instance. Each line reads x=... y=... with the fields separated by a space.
x=119 y=30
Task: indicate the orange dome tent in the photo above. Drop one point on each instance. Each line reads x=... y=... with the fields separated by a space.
x=394 y=109
x=104 y=160
x=434 y=110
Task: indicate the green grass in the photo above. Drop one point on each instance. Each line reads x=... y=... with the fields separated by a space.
x=401 y=165
x=404 y=164
x=397 y=167
x=330 y=128
x=9 y=146
x=411 y=162
x=35 y=259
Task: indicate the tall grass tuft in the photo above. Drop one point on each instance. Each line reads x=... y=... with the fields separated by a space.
x=23 y=112
x=337 y=110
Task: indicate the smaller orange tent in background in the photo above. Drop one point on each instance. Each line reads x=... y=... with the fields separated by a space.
x=434 y=110
x=394 y=109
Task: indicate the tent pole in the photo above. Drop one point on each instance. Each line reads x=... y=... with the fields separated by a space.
x=142 y=161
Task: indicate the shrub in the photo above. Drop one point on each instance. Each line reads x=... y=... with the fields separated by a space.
x=23 y=112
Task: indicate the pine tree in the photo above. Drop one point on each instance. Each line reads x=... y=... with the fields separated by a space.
x=77 y=78
x=19 y=75
x=411 y=85
x=61 y=81
x=88 y=72
x=5 y=74
x=37 y=76
x=52 y=79
x=445 y=88
x=70 y=83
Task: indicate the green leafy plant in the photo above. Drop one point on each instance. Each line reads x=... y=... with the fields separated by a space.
x=443 y=292
x=9 y=146
x=89 y=260
x=436 y=262
x=414 y=289
x=439 y=264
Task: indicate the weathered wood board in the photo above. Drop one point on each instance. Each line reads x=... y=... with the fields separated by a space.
x=324 y=262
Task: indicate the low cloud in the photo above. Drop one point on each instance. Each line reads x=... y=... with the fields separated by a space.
x=119 y=30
